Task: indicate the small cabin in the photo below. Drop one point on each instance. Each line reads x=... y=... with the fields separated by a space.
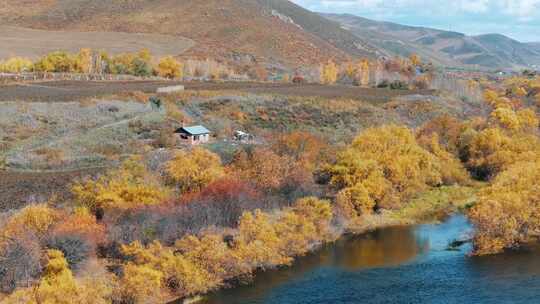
x=193 y=135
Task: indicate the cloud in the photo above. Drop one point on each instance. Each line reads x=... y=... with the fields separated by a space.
x=517 y=8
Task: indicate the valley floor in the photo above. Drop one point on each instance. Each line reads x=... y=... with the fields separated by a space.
x=59 y=91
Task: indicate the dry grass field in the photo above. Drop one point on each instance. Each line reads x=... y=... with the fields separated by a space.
x=20 y=188
x=60 y=91
x=75 y=125
x=31 y=43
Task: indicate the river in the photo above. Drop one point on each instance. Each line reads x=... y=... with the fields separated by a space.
x=397 y=265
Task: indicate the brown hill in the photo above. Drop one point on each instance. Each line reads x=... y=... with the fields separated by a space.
x=262 y=30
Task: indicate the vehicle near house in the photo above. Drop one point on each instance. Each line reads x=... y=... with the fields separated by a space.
x=194 y=135
x=242 y=136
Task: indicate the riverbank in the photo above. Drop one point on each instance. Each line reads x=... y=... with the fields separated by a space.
x=400 y=264
x=429 y=207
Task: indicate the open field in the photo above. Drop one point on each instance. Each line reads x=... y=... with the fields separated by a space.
x=74 y=125
x=59 y=91
x=19 y=188
x=31 y=43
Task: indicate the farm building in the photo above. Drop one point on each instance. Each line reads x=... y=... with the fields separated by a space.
x=193 y=135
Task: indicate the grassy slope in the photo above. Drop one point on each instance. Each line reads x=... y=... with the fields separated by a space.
x=32 y=43
x=219 y=27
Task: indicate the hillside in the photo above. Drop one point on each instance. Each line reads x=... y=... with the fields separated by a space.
x=442 y=47
x=31 y=43
x=244 y=30
x=534 y=45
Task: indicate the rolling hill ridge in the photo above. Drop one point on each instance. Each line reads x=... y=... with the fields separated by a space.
x=276 y=32
x=257 y=30
x=445 y=48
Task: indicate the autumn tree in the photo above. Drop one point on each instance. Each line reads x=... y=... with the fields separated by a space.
x=83 y=61
x=16 y=65
x=59 y=61
x=226 y=198
x=164 y=269
x=381 y=168
x=302 y=147
x=140 y=284
x=263 y=167
x=415 y=60
x=35 y=219
x=59 y=286
x=363 y=72
x=329 y=72
x=196 y=264
x=169 y=67
x=138 y=64
x=507 y=213
x=192 y=171
x=129 y=186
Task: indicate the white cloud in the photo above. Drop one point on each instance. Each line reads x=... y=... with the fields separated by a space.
x=523 y=9
x=516 y=8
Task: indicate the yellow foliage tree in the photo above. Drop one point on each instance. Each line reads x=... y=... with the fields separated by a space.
x=507 y=213
x=196 y=265
x=83 y=61
x=169 y=67
x=194 y=170
x=58 y=286
x=415 y=59
x=263 y=167
x=37 y=219
x=129 y=186
x=491 y=97
x=329 y=72
x=362 y=74
x=145 y=55
x=212 y=255
x=492 y=151
x=141 y=284
x=507 y=118
x=382 y=167
x=16 y=65
x=167 y=268
x=61 y=62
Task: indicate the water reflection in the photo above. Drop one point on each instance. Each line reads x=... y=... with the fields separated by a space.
x=383 y=248
x=397 y=265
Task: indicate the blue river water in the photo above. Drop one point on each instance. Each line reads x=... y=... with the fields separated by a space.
x=397 y=265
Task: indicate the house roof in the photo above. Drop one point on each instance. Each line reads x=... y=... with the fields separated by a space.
x=194 y=130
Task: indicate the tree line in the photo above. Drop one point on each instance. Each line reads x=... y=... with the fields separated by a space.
x=141 y=64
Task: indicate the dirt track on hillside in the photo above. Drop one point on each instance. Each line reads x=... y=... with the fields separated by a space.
x=61 y=91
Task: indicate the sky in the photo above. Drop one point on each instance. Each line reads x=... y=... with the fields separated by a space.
x=518 y=19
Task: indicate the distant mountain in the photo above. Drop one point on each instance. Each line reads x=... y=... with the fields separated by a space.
x=534 y=45
x=445 y=48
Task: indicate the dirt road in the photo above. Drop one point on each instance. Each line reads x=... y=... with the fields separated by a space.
x=60 y=91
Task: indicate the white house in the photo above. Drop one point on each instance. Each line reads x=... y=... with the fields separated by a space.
x=193 y=135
